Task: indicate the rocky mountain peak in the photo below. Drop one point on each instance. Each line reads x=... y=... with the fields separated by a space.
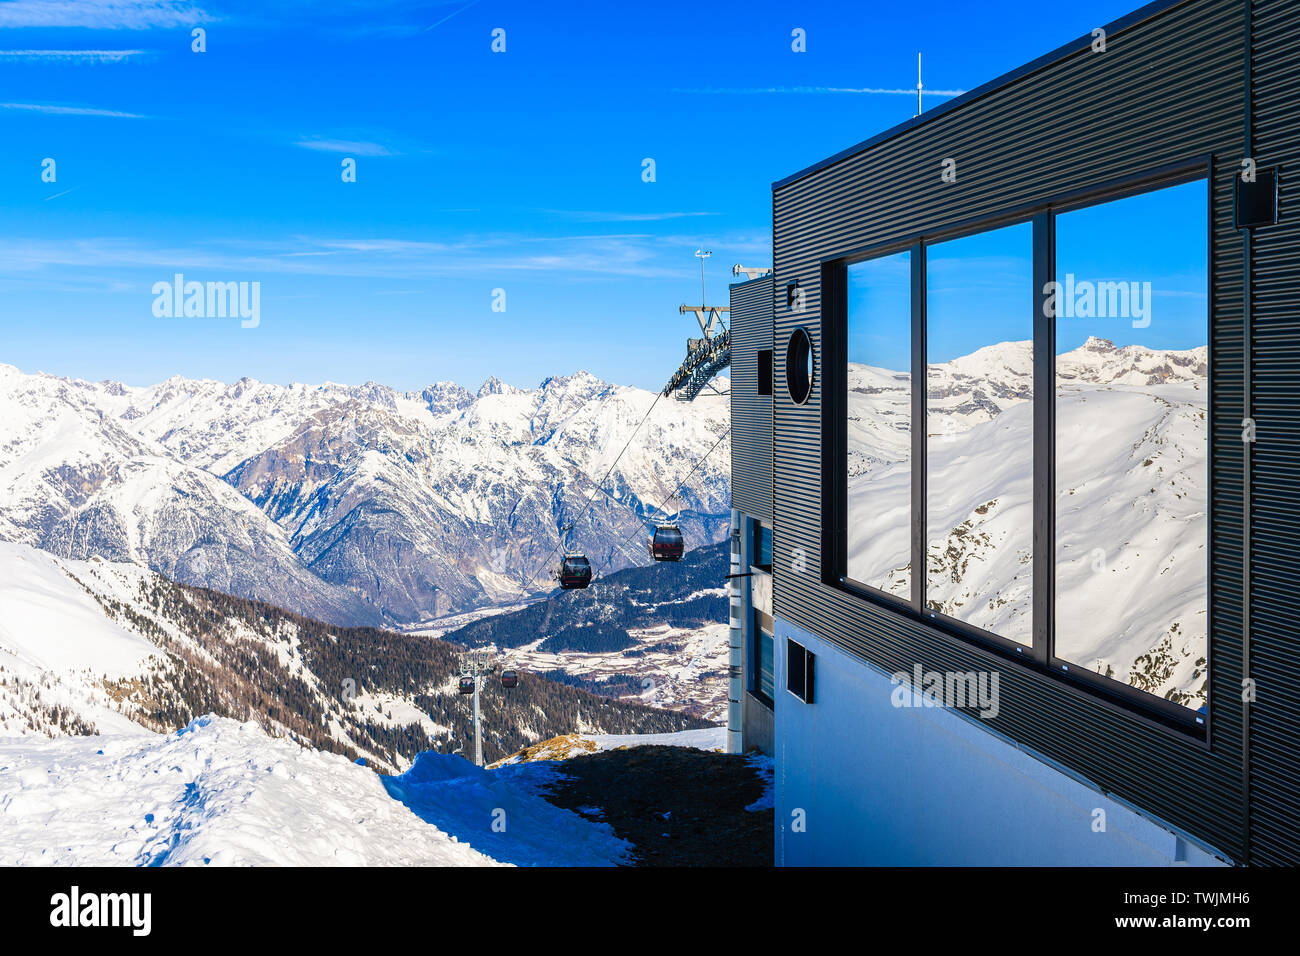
x=444 y=397
x=494 y=386
x=1095 y=343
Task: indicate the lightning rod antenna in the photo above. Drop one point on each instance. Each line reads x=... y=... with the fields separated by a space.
x=918 y=84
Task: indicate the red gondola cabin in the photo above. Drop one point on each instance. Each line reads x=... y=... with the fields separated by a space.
x=667 y=543
x=575 y=572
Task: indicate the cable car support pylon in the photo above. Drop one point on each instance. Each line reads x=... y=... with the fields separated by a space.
x=472 y=670
x=707 y=355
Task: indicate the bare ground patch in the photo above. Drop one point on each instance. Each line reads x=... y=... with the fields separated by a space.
x=677 y=806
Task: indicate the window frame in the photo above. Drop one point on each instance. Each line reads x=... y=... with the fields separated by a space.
x=762 y=627
x=839 y=386
x=756 y=529
x=766 y=370
x=806 y=692
x=1039 y=658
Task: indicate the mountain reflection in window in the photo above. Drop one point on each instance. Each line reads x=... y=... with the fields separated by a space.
x=1132 y=441
x=879 y=433
x=980 y=430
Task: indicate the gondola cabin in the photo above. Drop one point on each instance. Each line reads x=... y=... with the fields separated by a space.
x=467 y=685
x=575 y=572
x=509 y=679
x=667 y=543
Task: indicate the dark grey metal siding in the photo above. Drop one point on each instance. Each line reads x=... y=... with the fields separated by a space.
x=1275 y=468
x=1168 y=90
x=751 y=413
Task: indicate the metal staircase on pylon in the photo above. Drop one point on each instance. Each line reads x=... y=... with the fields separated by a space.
x=711 y=353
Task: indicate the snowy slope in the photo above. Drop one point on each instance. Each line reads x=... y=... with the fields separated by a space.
x=104 y=647
x=1132 y=535
x=57 y=647
x=216 y=792
x=49 y=622
x=220 y=792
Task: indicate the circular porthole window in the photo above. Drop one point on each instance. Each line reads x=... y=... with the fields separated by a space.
x=799 y=365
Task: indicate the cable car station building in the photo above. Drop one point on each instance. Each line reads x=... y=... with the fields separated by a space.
x=1016 y=462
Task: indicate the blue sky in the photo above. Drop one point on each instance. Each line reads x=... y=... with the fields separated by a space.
x=476 y=171
x=1158 y=237
x=980 y=291
x=880 y=312
x=980 y=287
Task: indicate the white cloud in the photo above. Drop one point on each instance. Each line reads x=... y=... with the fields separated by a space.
x=100 y=14
x=582 y=257
x=352 y=147
x=594 y=216
x=68 y=110
x=84 y=56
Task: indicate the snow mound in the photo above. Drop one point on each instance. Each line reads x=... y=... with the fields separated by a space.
x=216 y=792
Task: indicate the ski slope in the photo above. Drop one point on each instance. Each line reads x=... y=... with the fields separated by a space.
x=50 y=622
x=57 y=646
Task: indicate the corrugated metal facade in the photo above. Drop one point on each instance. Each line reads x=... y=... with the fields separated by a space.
x=1275 y=466
x=751 y=413
x=1169 y=90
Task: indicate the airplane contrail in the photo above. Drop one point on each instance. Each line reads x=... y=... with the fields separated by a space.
x=450 y=15
x=822 y=89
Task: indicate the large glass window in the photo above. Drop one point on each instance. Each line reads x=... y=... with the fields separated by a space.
x=879 y=434
x=1132 y=441
x=980 y=430
x=1113 y=510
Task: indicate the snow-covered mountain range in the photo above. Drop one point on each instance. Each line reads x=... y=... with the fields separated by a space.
x=351 y=504
x=1132 y=502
